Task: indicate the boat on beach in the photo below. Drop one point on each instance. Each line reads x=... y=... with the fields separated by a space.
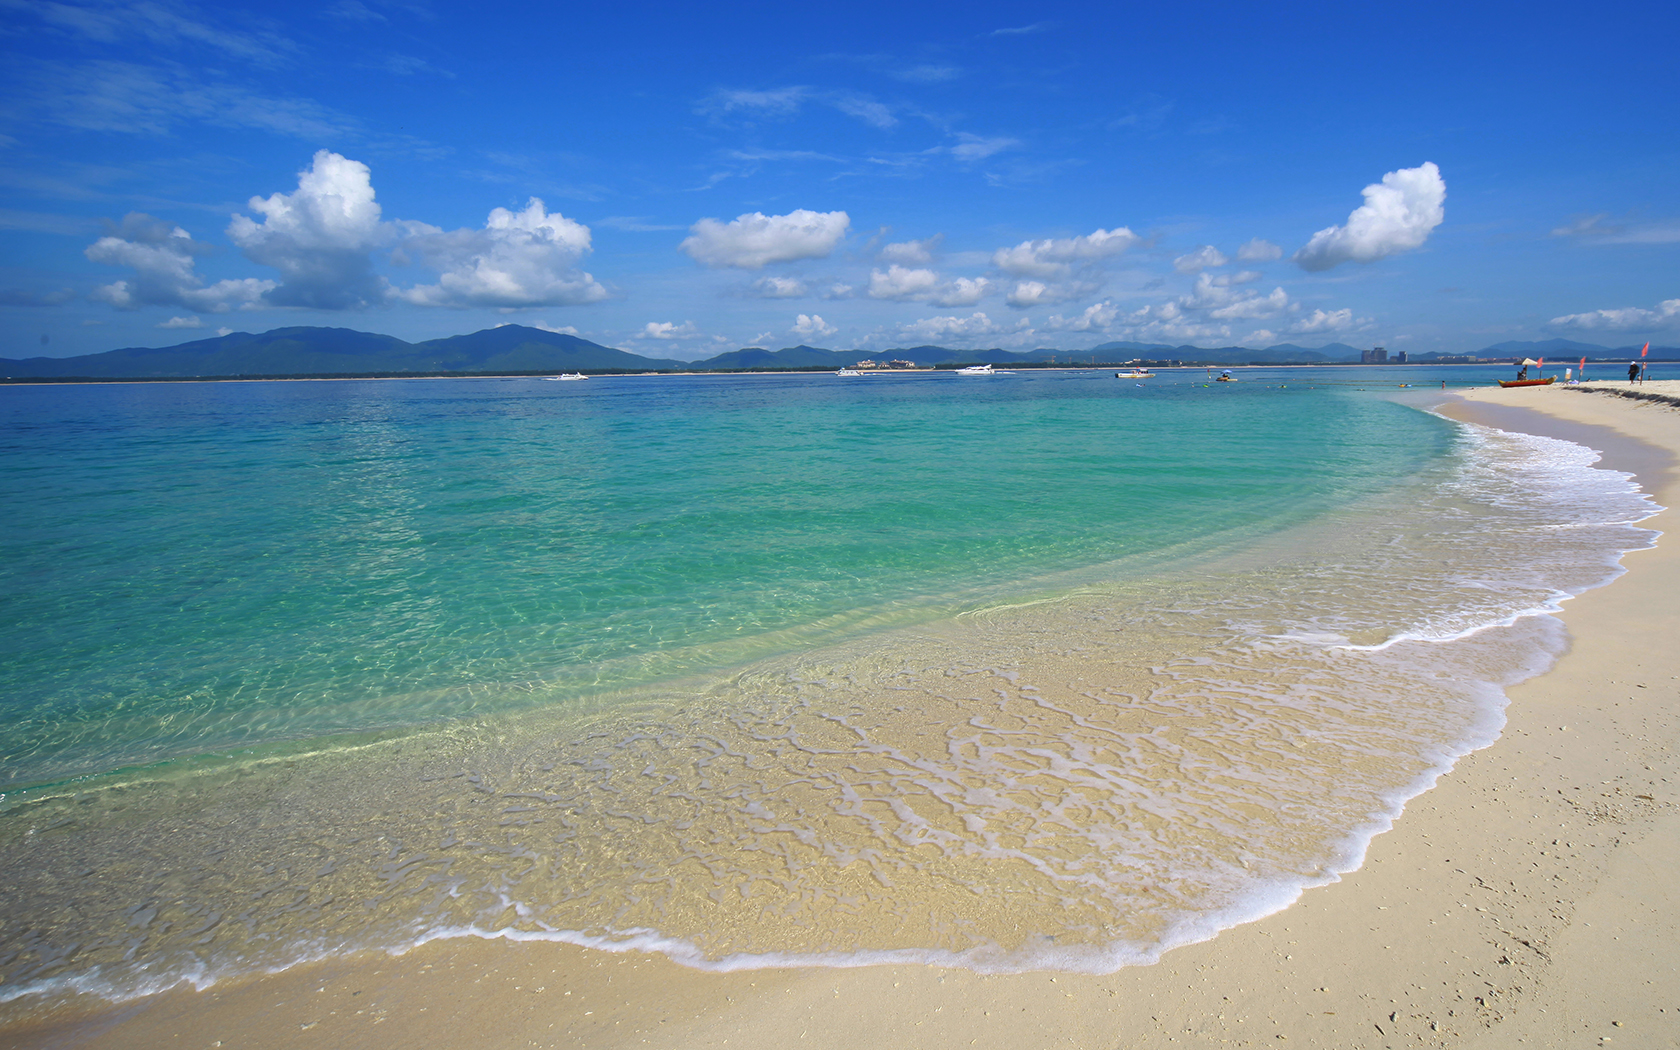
x=1522 y=377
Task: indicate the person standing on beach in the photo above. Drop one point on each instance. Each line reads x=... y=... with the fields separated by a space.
x=1633 y=370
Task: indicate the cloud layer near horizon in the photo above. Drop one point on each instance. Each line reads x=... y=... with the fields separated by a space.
x=1666 y=317
x=327 y=237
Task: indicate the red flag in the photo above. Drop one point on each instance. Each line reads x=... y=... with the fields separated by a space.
x=1541 y=362
x=1583 y=364
x=1646 y=347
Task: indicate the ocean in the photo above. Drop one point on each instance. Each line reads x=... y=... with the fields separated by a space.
x=1049 y=670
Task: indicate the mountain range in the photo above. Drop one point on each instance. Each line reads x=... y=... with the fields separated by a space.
x=515 y=349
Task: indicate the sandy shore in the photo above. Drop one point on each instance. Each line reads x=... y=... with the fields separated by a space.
x=1532 y=899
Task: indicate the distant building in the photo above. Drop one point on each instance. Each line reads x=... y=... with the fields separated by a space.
x=1400 y=358
x=1374 y=356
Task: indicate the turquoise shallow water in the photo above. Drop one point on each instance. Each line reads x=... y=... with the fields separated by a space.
x=191 y=567
x=1047 y=670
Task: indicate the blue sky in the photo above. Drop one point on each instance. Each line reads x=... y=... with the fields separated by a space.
x=683 y=179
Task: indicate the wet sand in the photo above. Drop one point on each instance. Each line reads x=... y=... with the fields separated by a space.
x=1528 y=900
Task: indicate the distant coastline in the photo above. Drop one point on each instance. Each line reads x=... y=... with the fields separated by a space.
x=325 y=377
x=515 y=350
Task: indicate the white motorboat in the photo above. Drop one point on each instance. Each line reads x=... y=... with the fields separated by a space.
x=1135 y=373
x=565 y=377
x=848 y=372
x=977 y=370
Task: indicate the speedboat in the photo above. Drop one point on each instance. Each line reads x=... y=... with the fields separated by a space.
x=848 y=372
x=1136 y=373
x=977 y=370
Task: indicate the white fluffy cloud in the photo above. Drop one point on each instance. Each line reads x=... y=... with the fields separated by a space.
x=1221 y=298
x=523 y=258
x=754 y=240
x=1258 y=250
x=902 y=284
x=964 y=291
x=319 y=236
x=1630 y=319
x=1253 y=307
x=812 y=326
x=913 y=253
x=165 y=273
x=180 y=322
x=779 y=288
x=905 y=285
x=1398 y=215
x=1200 y=259
x=940 y=329
x=1320 y=321
x=667 y=330
x=1167 y=323
x=1054 y=257
x=1040 y=293
x=1095 y=318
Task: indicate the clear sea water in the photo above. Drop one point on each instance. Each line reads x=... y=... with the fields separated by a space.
x=1039 y=670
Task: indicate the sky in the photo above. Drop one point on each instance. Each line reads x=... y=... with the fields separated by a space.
x=680 y=180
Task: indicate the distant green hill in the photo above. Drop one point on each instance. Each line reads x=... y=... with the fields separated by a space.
x=337 y=351
x=1135 y=349
x=801 y=356
x=1517 y=348
x=515 y=348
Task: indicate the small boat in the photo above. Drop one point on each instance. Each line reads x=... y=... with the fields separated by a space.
x=565 y=377
x=1136 y=373
x=1548 y=381
x=1226 y=377
x=977 y=370
x=848 y=372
